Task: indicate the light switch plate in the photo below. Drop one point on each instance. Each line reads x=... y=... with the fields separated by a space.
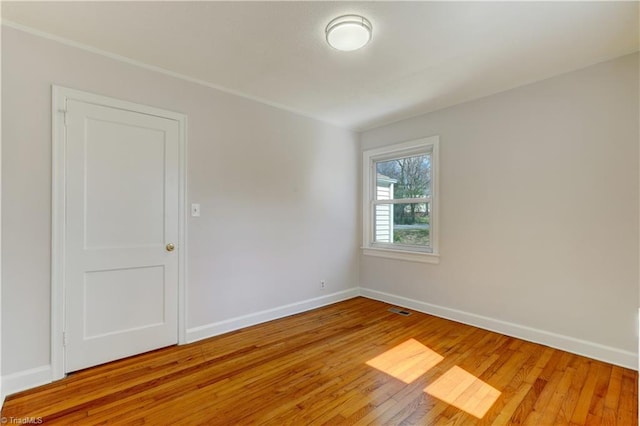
x=195 y=210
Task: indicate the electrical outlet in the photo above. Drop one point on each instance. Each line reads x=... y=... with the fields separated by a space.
x=323 y=284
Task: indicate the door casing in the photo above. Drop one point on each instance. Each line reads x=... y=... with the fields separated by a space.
x=60 y=95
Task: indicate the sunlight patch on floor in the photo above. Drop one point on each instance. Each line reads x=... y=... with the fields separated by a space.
x=465 y=391
x=407 y=361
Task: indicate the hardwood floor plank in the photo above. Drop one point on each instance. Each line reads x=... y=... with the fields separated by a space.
x=581 y=411
x=504 y=410
x=523 y=410
x=596 y=407
x=581 y=367
x=627 y=408
x=554 y=405
x=548 y=392
x=316 y=368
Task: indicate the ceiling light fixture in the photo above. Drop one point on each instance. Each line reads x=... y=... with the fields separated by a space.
x=348 y=32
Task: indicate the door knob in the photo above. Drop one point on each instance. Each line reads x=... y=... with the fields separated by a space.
x=170 y=247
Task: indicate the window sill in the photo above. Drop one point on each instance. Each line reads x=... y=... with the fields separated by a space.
x=409 y=256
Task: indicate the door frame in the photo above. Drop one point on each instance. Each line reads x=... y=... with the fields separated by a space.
x=59 y=98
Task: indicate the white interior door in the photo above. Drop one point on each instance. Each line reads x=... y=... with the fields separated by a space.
x=121 y=234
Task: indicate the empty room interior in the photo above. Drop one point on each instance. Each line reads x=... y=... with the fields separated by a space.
x=320 y=213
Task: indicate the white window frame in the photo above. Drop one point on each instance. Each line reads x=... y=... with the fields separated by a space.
x=370 y=247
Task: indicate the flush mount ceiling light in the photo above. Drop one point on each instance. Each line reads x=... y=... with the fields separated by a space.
x=348 y=32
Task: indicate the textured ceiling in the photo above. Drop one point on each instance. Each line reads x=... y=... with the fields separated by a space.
x=423 y=56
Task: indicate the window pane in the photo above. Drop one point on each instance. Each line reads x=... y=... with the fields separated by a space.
x=402 y=224
x=408 y=177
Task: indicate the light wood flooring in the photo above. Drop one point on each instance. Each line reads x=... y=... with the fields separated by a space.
x=349 y=363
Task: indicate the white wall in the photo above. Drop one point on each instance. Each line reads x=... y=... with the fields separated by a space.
x=539 y=211
x=278 y=194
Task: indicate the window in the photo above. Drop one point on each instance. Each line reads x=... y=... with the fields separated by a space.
x=400 y=202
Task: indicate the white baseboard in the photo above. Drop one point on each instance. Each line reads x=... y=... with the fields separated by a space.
x=27 y=379
x=217 y=328
x=34 y=377
x=577 y=346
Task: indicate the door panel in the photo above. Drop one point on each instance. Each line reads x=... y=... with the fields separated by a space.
x=108 y=312
x=122 y=200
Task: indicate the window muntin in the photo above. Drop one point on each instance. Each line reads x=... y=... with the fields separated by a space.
x=399 y=206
